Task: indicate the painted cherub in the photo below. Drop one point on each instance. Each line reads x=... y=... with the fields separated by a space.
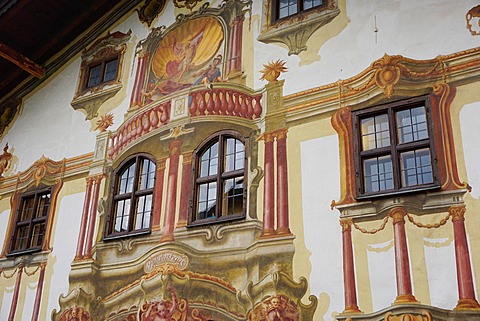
x=161 y=310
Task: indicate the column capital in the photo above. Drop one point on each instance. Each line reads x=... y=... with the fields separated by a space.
x=398 y=214
x=457 y=212
x=187 y=158
x=346 y=224
x=281 y=134
x=174 y=146
x=161 y=164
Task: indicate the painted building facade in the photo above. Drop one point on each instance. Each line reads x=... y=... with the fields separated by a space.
x=251 y=160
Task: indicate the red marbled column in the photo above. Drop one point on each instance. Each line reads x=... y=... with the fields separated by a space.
x=350 y=290
x=268 y=190
x=84 y=220
x=235 y=48
x=185 y=190
x=282 y=184
x=93 y=217
x=38 y=294
x=402 y=263
x=466 y=290
x=169 y=219
x=16 y=291
x=136 y=99
x=157 y=202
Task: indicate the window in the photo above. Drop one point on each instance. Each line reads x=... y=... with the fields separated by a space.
x=220 y=179
x=31 y=222
x=287 y=8
x=394 y=148
x=133 y=197
x=102 y=73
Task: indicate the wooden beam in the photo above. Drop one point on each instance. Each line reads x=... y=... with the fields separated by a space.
x=21 y=61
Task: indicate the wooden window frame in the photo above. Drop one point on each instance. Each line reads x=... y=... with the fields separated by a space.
x=221 y=176
x=395 y=148
x=133 y=196
x=102 y=63
x=276 y=9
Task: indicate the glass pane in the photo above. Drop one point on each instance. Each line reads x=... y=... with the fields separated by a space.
x=147 y=175
x=416 y=167
x=122 y=215
x=94 y=76
x=42 y=205
x=126 y=180
x=143 y=213
x=308 y=4
x=209 y=161
x=232 y=200
x=21 y=238
x=375 y=132
x=378 y=174
x=411 y=125
x=37 y=235
x=26 y=209
x=234 y=155
x=110 y=70
x=207 y=200
x=287 y=8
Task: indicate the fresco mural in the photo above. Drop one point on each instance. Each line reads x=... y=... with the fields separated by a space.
x=190 y=55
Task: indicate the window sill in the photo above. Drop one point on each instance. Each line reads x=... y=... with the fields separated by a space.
x=91 y=101
x=213 y=220
x=30 y=257
x=294 y=31
x=397 y=192
x=113 y=237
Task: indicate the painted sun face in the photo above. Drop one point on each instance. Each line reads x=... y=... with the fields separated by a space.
x=275 y=302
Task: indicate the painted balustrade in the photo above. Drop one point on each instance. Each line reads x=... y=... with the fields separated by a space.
x=225 y=102
x=138 y=126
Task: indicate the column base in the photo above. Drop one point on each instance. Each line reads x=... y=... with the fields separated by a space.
x=405 y=298
x=268 y=232
x=467 y=304
x=350 y=309
x=283 y=231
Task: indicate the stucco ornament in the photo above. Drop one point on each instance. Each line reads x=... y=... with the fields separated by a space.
x=75 y=314
x=275 y=308
x=387 y=74
x=272 y=70
x=5 y=160
x=104 y=122
x=473 y=20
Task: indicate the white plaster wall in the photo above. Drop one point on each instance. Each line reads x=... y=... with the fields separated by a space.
x=323 y=235
x=441 y=272
x=7 y=293
x=64 y=247
x=381 y=268
x=470 y=129
x=414 y=29
x=4 y=217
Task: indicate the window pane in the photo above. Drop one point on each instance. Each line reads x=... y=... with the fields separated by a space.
x=416 y=167
x=126 y=180
x=26 y=209
x=209 y=161
x=144 y=211
x=94 y=76
x=308 y=4
x=378 y=174
x=122 y=215
x=42 y=206
x=411 y=125
x=287 y=8
x=375 y=132
x=207 y=195
x=232 y=196
x=147 y=175
x=234 y=155
x=21 y=238
x=110 y=70
x=37 y=235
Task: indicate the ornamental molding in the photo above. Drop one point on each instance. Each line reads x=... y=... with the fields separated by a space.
x=295 y=31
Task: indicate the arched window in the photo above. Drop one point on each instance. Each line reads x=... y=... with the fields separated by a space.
x=220 y=175
x=133 y=197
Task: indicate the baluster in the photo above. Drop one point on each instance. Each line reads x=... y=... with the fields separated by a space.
x=257 y=110
x=231 y=104
x=139 y=127
x=154 y=118
x=223 y=102
x=236 y=96
x=164 y=117
x=210 y=105
x=216 y=103
x=146 y=122
x=243 y=107
x=202 y=105
x=193 y=104
x=111 y=147
x=249 y=107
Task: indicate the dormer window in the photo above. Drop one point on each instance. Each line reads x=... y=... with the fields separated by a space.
x=103 y=72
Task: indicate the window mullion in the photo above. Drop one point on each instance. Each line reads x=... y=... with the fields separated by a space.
x=30 y=227
x=221 y=161
x=393 y=149
x=133 y=197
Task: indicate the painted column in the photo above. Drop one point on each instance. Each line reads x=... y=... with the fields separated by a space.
x=282 y=184
x=350 y=290
x=268 y=190
x=169 y=220
x=38 y=294
x=185 y=190
x=235 y=60
x=402 y=263
x=84 y=220
x=466 y=290
x=136 y=99
x=16 y=291
x=93 y=216
x=157 y=202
